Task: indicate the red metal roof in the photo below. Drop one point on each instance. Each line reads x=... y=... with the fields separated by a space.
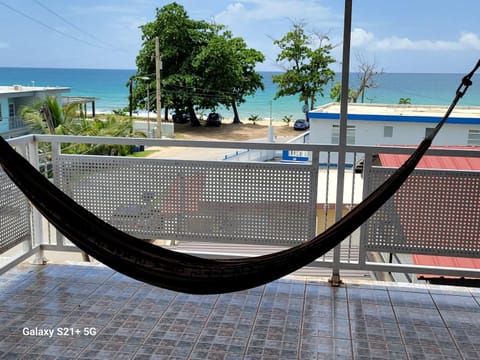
x=439 y=162
x=444 y=261
x=436 y=162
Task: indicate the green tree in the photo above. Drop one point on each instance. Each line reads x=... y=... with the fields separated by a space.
x=228 y=71
x=180 y=39
x=203 y=64
x=336 y=92
x=254 y=119
x=48 y=117
x=306 y=62
x=287 y=119
x=405 y=100
x=112 y=125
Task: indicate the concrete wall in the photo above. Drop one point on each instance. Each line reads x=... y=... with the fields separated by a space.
x=372 y=132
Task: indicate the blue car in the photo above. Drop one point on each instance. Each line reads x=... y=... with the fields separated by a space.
x=301 y=124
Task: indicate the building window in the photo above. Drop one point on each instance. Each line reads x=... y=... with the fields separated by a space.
x=388 y=131
x=350 y=134
x=473 y=137
x=429 y=131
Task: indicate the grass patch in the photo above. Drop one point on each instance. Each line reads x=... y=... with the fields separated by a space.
x=143 y=153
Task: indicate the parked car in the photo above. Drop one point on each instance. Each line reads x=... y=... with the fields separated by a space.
x=181 y=118
x=301 y=124
x=214 y=119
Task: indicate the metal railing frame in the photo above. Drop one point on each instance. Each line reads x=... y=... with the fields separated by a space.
x=28 y=146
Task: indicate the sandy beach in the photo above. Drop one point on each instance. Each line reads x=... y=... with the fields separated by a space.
x=235 y=132
x=226 y=132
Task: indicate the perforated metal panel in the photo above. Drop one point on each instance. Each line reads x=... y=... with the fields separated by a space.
x=14 y=215
x=193 y=200
x=434 y=212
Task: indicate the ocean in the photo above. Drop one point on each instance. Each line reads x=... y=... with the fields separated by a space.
x=111 y=90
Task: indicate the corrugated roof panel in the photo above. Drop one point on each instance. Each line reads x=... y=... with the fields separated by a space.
x=444 y=261
x=436 y=162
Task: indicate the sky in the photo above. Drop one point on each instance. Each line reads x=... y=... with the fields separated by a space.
x=429 y=36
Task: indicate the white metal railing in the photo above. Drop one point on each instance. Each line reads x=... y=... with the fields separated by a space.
x=252 y=191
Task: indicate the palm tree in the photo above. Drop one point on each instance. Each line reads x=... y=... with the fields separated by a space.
x=48 y=117
x=405 y=101
x=254 y=119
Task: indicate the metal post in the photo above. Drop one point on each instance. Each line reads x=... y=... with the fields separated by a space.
x=347 y=28
x=30 y=152
x=157 y=77
x=148 y=110
x=130 y=105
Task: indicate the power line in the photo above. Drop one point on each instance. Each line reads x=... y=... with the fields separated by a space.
x=73 y=25
x=52 y=28
x=47 y=26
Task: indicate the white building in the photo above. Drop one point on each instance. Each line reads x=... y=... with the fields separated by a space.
x=12 y=98
x=373 y=124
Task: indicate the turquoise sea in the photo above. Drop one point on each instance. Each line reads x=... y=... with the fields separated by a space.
x=110 y=87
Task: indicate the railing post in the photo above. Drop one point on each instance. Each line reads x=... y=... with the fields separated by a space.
x=335 y=279
x=314 y=188
x=367 y=167
x=31 y=153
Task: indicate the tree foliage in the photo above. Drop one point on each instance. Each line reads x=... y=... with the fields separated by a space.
x=306 y=61
x=46 y=116
x=228 y=68
x=204 y=66
x=336 y=92
x=405 y=101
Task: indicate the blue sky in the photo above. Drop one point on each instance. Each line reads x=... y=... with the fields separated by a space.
x=399 y=36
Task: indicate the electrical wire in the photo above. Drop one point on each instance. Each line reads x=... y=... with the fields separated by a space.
x=51 y=28
x=78 y=28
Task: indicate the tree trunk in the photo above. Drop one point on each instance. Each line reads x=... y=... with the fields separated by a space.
x=47 y=116
x=306 y=110
x=236 y=118
x=193 y=116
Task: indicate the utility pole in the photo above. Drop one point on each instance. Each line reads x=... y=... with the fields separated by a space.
x=159 y=96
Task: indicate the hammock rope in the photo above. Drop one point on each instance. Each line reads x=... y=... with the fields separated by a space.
x=182 y=272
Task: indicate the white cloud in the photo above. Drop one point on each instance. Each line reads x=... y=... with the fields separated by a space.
x=470 y=40
x=231 y=14
x=266 y=10
x=261 y=21
x=361 y=38
x=365 y=39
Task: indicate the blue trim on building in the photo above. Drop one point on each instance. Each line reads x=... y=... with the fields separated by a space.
x=394 y=118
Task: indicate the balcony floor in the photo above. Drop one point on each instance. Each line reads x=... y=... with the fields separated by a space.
x=286 y=319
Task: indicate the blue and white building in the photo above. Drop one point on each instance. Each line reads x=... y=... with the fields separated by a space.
x=12 y=98
x=374 y=124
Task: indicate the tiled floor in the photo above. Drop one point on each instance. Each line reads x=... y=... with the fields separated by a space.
x=119 y=318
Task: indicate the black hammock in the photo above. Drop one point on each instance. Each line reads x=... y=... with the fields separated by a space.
x=182 y=272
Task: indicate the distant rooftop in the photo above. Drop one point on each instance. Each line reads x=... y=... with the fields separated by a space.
x=398 y=112
x=20 y=89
